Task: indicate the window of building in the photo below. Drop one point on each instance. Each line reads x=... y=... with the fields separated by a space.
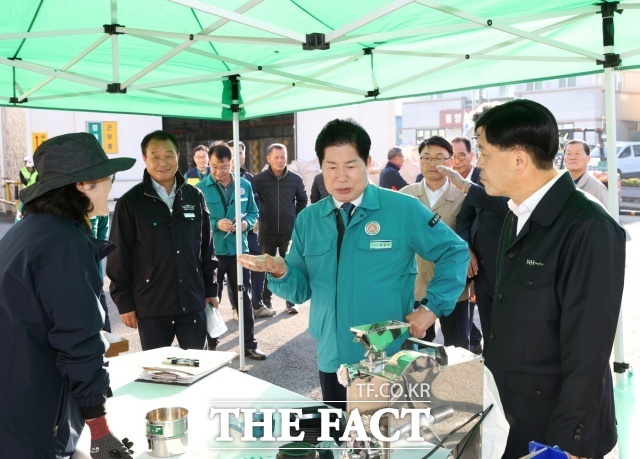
x=534 y=86
x=422 y=134
x=506 y=91
x=567 y=82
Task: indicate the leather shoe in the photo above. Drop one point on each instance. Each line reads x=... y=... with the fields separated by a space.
x=255 y=354
x=477 y=349
x=292 y=309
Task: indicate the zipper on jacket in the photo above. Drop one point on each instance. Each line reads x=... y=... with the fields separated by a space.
x=61 y=406
x=157 y=198
x=278 y=181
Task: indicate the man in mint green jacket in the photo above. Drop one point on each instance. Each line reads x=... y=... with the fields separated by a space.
x=353 y=254
x=218 y=190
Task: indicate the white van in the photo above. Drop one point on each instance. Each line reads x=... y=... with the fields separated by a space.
x=628 y=159
x=628 y=162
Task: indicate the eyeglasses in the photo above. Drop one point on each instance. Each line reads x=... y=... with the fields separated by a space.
x=436 y=160
x=220 y=168
x=460 y=156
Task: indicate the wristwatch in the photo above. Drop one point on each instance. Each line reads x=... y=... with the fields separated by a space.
x=423 y=304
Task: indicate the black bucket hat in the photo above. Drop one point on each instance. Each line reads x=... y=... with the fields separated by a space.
x=71 y=158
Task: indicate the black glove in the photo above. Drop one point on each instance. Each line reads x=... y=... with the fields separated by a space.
x=109 y=447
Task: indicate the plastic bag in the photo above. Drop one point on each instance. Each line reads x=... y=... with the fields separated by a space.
x=215 y=323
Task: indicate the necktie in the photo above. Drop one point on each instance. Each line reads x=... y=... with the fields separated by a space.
x=348 y=210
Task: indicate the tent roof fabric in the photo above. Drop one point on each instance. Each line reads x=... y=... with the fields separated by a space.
x=174 y=57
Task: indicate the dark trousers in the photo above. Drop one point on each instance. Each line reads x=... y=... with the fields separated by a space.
x=268 y=244
x=190 y=328
x=333 y=393
x=475 y=335
x=484 y=297
x=107 y=322
x=228 y=264
x=253 y=282
x=455 y=327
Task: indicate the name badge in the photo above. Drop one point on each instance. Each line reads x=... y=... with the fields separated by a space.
x=189 y=215
x=380 y=245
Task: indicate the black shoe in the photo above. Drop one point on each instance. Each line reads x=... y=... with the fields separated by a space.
x=476 y=349
x=293 y=309
x=255 y=354
x=267 y=304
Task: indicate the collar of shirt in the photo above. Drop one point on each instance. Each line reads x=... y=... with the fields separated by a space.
x=356 y=202
x=524 y=210
x=167 y=198
x=468 y=177
x=433 y=196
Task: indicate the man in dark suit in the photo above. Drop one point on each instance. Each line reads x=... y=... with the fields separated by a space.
x=560 y=276
x=463 y=157
x=390 y=177
x=479 y=223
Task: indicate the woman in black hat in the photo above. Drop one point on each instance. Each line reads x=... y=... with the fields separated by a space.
x=52 y=377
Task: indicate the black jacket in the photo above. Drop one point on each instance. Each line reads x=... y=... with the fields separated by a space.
x=553 y=323
x=390 y=177
x=252 y=238
x=479 y=223
x=318 y=189
x=165 y=263
x=51 y=356
x=282 y=200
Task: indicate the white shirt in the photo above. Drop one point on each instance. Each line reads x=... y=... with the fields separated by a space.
x=433 y=196
x=356 y=202
x=468 y=177
x=167 y=198
x=524 y=210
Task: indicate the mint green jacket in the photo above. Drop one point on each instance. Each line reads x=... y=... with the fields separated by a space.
x=223 y=243
x=375 y=277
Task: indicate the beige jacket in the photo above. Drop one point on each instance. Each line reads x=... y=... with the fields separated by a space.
x=447 y=206
x=589 y=184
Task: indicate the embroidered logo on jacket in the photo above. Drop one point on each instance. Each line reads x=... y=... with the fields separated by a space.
x=372 y=228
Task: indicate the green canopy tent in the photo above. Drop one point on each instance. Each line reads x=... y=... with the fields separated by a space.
x=191 y=57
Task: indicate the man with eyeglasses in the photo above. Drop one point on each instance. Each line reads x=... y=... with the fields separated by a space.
x=479 y=223
x=253 y=281
x=437 y=194
x=463 y=158
x=560 y=278
x=201 y=159
x=462 y=163
x=390 y=177
x=218 y=190
x=164 y=271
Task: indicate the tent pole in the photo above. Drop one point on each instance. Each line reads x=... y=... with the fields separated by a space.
x=610 y=62
x=235 y=108
x=610 y=107
x=115 y=54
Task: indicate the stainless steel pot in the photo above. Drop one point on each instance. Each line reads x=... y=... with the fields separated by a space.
x=167 y=431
